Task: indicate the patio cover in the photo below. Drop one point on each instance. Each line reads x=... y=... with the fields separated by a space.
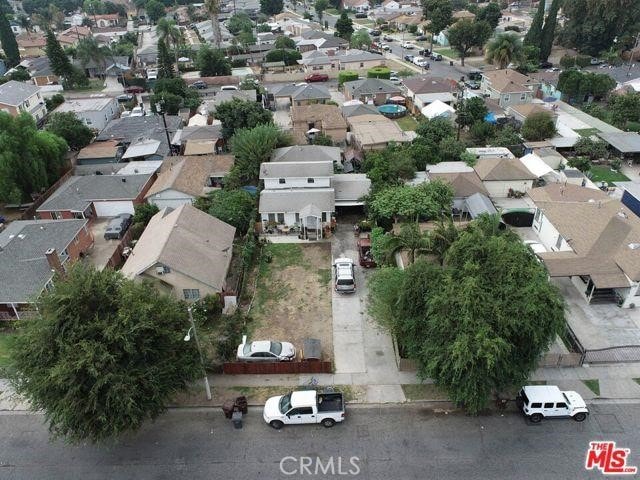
x=624 y=142
x=478 y=203
x=536 y=165
x=602 y=270
x=310 y=210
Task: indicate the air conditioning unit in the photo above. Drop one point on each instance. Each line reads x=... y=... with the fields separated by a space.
x=160 y=270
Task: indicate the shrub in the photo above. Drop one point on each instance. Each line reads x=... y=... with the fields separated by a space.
x=583 y=61
x=379 y=72
x=512 y=28
x=347 y=76
x=568 y=61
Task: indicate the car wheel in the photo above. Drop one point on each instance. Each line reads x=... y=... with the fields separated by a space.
x=328 y=422
x=580 y=417
x=277 y=424
x=536 y=418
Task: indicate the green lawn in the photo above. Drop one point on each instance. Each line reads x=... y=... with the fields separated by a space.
x=364 y=21
x=603 y=173
x=407 y=123
x=586 y=132
x=95 y=85
x=5 y=341
x=593 y=385
x=447 y=52
x=426 y=391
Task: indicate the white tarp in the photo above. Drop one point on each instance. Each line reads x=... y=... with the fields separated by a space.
x=198 y=119
x=437 y=109
x=536 y=165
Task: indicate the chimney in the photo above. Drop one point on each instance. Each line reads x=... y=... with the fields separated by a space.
x=54 y=261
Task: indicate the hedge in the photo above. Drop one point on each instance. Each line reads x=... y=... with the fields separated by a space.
x=379 y=72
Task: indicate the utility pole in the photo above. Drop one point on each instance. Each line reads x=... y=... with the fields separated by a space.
x=195 y=337
x=161 y=111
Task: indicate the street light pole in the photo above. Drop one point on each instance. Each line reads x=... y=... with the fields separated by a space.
x=161 y=103
x=195 y=336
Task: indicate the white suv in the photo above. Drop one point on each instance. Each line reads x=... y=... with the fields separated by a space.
x=345 y=281
x=548 y=401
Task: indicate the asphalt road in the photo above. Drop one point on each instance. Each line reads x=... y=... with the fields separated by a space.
x=387 y=443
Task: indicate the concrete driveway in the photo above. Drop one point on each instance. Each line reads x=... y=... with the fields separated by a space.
x=102 y=249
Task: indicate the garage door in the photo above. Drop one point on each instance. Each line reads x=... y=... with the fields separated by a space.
x=170 y=202
x=111 y=209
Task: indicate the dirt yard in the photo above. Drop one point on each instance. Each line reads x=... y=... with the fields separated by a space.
x=293 y=295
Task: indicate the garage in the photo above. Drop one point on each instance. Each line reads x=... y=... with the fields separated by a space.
x=113 y=208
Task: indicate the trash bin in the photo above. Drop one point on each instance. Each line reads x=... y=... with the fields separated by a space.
x=241 y=404
x=236 y=418
x=451 y=63
x=227 y=408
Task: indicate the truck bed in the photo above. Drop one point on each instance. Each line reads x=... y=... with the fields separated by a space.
x=330 y=402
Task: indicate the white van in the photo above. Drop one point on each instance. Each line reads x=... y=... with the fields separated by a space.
x=228 y=87
x=548 y=401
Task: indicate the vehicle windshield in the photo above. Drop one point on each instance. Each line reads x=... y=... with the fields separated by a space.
x=276 y=348
x=285 y=403
x=524 y=397
x=566 y=398
x=246 y=349
x=345 y=281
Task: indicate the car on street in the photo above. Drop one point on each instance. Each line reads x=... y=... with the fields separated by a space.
x=408 y=45
x=345 y=280
x=198 y=84
x=317 y=77
x=436 y=57
x=420 y=61
x=117 y=226
x=547 y=401
x=387 y=38
x=472 y=84
x=395 y=80
x=265 y=351
x=361 y=15
x=133 y=89
x=425 y=52
x=385 y=47
x=225 y=88
x=422 y=38
x=375 y=33
x=125 y=97
x=304 y=407
x=409 y=58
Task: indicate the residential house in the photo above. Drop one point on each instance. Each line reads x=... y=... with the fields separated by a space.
x=502 y=175
x=40 y=71
x=307 y=94
x=350 y=189
x=114 y=66
x=185 y=179
x=210 y=104
x=321 y=41
x=199 y=139
x=463 y=15
x=375 y=132
x=71 y=36
x=95 y=196
x=311 y=120
x=391 y=5
x=522 y=111
x=404 y=21
x=183 y=252
x=355 y=59
x=315 y=60
x=425 y=89
x=548 y=83
x=371 y=90
x=131 y=130
x=19 y=97
x=75 y=20
x=100 y=153
x=105 y=20
x=95 y=112
x=463 y=179
x=508 y=87
x=306 y=153
x=360 y=109
x=358 y=6
x=593 y=239
x=31 y=44
x=31 y=252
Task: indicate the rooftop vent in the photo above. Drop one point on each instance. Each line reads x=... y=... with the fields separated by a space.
x=634 y=246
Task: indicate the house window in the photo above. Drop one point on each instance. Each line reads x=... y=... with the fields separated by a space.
x=297 y=218
x=523 y=97
x=559 y=242
x=310 y=180
x=191 y=293
x=56 y=215
x=324 y=216
x=311 y=125
x=271 y=218
x=77 y=215
x=507 y=98
x=361 y=64
x=281 y=218
x=282 y=181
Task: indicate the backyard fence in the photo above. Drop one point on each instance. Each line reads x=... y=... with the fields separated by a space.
x=621 y=354
x=271 y=368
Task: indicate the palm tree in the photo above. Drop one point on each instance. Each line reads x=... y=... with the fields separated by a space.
x=442 y=237
x=411 y=239
x=504 y=49
x=88 y=50
x=170 y=34
x=213 y=7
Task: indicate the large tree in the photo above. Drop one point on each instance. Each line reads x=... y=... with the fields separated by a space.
x=578 y=86
x=89 y=50
x=344 y=26
x=212 y=62
x=538 y=126
x=271 y=7
x=504 y=49
x=549 y=30
x=233 y=206
x=66 y=125
x=58 y=60
x=478 y=324
x=625 y=108
x=426 y=201
x=8 y=40
x=320 y=6
x=470 y=111
x=104 y=355
x=155 y=10
x=490 y=14
x=289 y=57
x=251 y=147
x=237 y=114
x=30 y=160
x=170 y=34
x=360 y=39
x=213 y=7
x=534 y=35
x=438 y=12
x=466 y=34
x=165 y=61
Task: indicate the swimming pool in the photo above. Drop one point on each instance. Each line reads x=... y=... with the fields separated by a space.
x=392 y=111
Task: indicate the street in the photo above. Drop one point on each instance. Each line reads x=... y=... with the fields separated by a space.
x=404 y=442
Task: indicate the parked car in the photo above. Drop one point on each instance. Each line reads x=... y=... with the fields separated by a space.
x=317 y=77
x=436 y=56
x=425 y=52
x=476 y=75
x=199 y=84
x=365 y=258
x=408 y=45
x=345 y=281
x=133 y=89
x=265 y=351
x=117 y=226
x=228 y=87
x=472 y=84
x=548 y=401
x=545 y=65
x=361 y=15
x=420 y=61
x=422 y=38
x=385 y=47
x=395 y=80
x=375 y=33
x=409 y=58
x=595 y=61
x=137 y=111
x=387 y=38
x=304 y=407
x=125 y=97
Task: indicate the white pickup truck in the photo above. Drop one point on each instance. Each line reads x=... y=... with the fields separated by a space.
x=306 y=406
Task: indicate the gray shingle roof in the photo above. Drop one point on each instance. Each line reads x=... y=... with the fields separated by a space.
x=296 y=169
x=371 y=86
x=279 y=201
x=306 y=153
x=23 y=265
x=355 y=110
x=311 y=92
x=14 y=93
x=77 y=193
x=358 y=56
x=130 y=129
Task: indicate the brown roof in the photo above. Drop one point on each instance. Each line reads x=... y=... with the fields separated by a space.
x=498 y=168
x=509 y=81
x=428 y=84
x=200 y=147
x=603 y=233
x=464 y=184
x=463 y=14
x=526 y=109
x=27 y=40
x=106 y=149
x=329 y=115
x=189 y=174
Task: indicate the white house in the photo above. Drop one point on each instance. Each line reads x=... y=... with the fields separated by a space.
x=500 y=175
x=18 y=97
x=391 y=5
x=95 y=112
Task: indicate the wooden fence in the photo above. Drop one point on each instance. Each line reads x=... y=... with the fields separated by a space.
x=271 y=368
x=30 y=212
x=117 y=259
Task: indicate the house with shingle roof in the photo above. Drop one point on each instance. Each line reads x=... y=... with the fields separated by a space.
x=185 y=179
x=500 y=175
x=306 y=94
x=509 y=87
x=591 y=238
x=425 y=89
x=311 y=120
x=368 y=90
x=19 y=97
x=462 y=178
x=184 y=252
